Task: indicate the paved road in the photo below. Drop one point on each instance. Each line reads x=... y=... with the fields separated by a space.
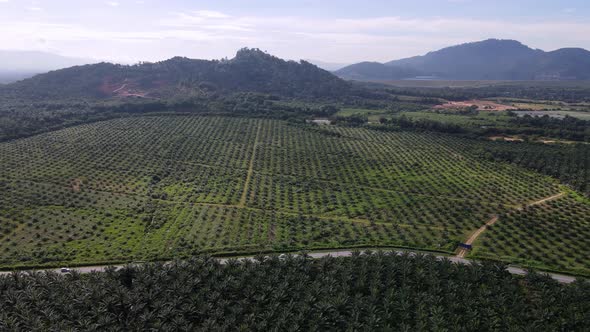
x=334 y=253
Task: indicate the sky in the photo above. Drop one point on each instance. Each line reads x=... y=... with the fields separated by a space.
x=336 y=31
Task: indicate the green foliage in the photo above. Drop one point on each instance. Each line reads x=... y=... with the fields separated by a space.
x=153 y=187
x=365 y=292
x=485 y=123
x=250 y=71
x=553 y=235
x=567 y=162
x=490 y=59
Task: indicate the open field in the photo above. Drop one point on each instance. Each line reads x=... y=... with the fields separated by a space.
x=159 y=187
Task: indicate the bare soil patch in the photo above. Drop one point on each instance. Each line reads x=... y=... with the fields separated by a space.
x=127 y=88
x=482 y=105
x=506 y=138
x=76 y=185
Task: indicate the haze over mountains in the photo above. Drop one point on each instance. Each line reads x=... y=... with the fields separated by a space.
x=252 y=70
x=491 y=59
x=17 y=65
x=329 y=66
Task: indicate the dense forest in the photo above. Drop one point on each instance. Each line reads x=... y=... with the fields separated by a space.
x=365 y=292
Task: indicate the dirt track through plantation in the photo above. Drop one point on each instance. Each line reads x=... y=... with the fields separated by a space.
x=475 y=235
x=250 y=170
x=547 y=199
x=462 y=252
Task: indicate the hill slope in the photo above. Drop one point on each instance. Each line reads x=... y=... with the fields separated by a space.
x=250 y=70
x=491 y=59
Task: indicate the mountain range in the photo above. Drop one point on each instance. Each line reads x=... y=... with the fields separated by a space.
x=252 y=70
x=491 y=59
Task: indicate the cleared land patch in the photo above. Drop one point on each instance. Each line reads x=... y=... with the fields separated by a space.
x=482 y=105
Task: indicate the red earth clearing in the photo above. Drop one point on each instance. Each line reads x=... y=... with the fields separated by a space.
x=482 y=105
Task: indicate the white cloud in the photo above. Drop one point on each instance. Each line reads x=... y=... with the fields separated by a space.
x=206 y=33
x=113 y=3
x=210 y=14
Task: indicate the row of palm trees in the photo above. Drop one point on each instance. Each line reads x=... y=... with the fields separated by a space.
x=365 y=292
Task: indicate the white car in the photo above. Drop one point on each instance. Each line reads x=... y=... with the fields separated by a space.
x=65 y=270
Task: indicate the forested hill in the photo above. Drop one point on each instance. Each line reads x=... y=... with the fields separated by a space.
x=490 y=59
x=250 y=70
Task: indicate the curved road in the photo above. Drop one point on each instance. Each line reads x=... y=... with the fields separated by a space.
x=334 y=253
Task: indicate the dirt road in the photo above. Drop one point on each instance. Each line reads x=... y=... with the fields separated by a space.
x=462 y=252
x=475 y=235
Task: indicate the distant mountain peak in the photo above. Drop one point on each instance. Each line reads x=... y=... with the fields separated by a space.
x=490 y=59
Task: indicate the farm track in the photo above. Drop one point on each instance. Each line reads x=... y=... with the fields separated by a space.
x=242 y=197
x=475 y=235
x=463 y=252
x=547 y=199
x=242 y=204
x=250 y=168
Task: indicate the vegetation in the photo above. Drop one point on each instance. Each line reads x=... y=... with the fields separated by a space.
x=162 y=186
x=183 y=158
x=490 y=59
x=251 y=70
x=19 y=120
x=483 y=123
x=567 y=162
x=365 y=292
x=553 y=236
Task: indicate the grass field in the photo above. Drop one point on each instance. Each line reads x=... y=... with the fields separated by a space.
x=159 y=187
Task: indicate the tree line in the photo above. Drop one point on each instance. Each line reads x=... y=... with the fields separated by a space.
x=365 y=292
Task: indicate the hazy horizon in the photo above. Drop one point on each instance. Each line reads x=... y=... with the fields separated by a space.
x=331 y=31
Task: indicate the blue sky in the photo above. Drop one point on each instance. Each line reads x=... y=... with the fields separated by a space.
x=342 y=31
